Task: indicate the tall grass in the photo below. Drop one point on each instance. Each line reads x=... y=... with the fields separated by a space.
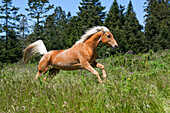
x=135 y=83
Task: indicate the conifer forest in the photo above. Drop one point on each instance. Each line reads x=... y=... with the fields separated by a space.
x=60 y=30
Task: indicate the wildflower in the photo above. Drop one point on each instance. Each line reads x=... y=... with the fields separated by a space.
x=49 y=65
x=130 y=72
x=120 y=66
x=85 y=74
x=128 y=78
x=65 y=104
x=148 y=106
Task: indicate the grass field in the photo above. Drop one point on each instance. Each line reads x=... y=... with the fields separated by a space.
x=135 y=84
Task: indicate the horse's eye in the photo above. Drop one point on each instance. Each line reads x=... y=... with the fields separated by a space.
x=108 y=36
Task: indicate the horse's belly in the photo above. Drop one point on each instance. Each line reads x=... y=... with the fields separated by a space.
x=63 y=67
x=67 y=65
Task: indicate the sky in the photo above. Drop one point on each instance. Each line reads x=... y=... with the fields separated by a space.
x=72 y=6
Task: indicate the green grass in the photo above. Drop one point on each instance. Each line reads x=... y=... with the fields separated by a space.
x=135 y=84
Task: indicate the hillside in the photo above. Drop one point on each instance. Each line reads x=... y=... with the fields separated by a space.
x=135 y=83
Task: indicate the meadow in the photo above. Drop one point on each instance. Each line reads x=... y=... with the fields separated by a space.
x=135 y=84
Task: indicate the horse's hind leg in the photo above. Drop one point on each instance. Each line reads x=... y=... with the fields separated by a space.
x=43 y=67
x=38 y=75
x=52 y=73
x=41 y=70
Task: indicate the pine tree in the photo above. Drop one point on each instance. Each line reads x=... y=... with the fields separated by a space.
x=14 y=50
x=56 y=29
x=9 y=15
x=74 y=31
x=157 y=21
x=115 y=22
x=2 y=50
x=133 y=34
x=90 y=14
x=23 y=26
x=10 y=51
x=112 y=19
x=37 y=10
x=126 y=28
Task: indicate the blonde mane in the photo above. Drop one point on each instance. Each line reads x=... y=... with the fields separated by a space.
x=90 y=32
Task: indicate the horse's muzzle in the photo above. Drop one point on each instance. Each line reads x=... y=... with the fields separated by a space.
x=115 y=46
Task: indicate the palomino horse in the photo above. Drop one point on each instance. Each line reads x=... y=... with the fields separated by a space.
x=81 y=55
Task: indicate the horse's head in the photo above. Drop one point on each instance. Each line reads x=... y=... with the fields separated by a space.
x=108 y=39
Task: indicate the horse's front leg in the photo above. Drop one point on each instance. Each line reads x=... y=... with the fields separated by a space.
x=98 y=65
x=88 y=67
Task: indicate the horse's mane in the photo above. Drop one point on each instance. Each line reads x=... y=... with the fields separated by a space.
x=90 y=32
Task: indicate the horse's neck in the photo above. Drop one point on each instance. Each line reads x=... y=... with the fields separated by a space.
x=93 y=41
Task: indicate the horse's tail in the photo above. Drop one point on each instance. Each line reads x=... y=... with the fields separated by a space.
x=32 y=49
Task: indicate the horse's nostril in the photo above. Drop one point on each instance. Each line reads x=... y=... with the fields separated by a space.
x=116 y=46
